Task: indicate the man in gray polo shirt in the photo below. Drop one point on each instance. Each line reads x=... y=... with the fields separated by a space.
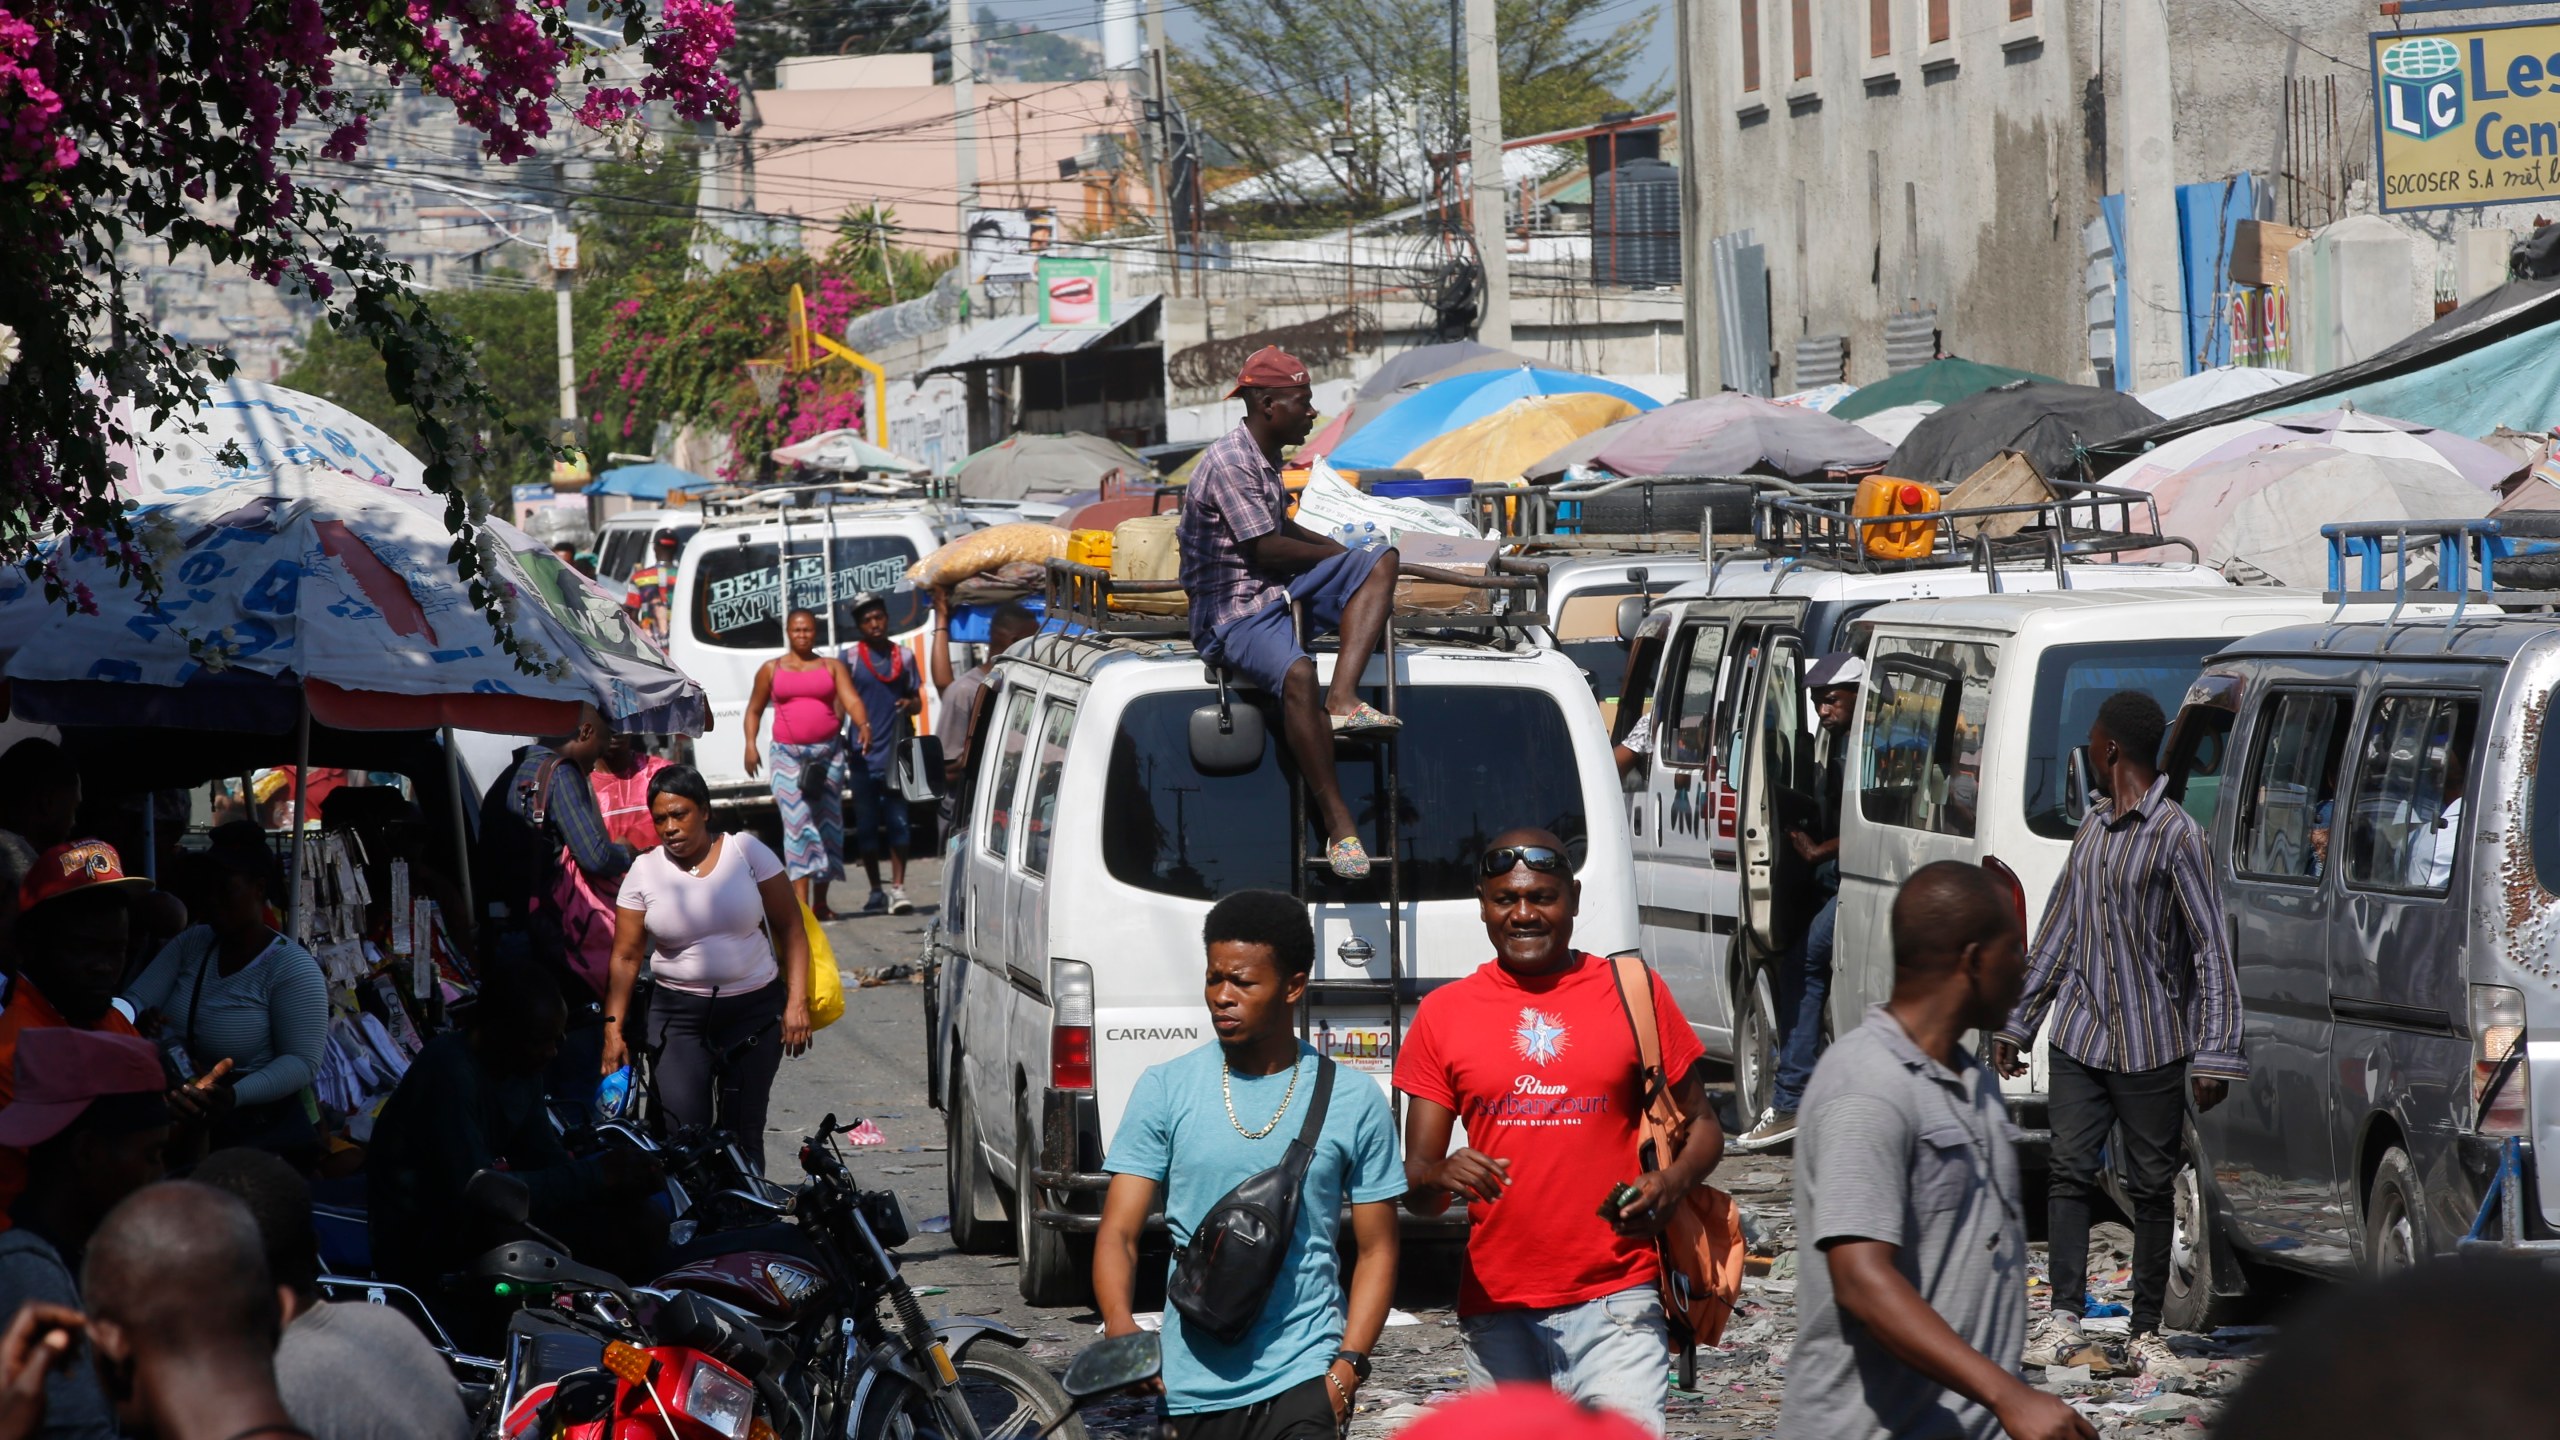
x=1912 y=1325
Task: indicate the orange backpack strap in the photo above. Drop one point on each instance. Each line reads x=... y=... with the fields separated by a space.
x=1654 y=1089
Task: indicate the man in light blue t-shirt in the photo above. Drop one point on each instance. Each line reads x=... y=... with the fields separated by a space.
x=1199 y=1125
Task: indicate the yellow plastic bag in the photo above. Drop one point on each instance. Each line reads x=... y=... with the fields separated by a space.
x=826 y=983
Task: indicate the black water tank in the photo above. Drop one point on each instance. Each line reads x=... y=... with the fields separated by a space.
x=1635 y=224
x=1612 y=148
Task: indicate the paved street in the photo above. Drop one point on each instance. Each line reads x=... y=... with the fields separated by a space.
x=872 y=1063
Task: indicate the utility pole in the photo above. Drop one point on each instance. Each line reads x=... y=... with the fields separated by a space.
x=1484 y=126
x=964 y=114
x=562 y=248
x=1348 y=149
x=1697 y=28
x=1155 y=127
x=2158 y=310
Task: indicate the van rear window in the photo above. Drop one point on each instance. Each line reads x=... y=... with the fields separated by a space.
x=2071 y=683
x=1476 y=760
x=738 y=600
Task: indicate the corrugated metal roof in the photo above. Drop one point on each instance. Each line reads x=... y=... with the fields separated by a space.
x=1017 y=336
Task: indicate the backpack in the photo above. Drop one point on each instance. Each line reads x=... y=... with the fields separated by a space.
x=1222 y=1276
x=1701 y=1247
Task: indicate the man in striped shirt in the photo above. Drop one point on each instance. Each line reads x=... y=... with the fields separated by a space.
x=2145 y=1006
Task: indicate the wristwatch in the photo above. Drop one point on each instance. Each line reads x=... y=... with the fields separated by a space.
x=1359 y=1363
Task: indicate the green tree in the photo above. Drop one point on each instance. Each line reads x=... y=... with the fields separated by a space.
x=1267 y=81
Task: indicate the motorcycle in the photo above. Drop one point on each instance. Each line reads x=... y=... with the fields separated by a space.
x=875 y=1367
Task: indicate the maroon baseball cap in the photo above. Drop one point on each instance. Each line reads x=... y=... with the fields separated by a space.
x=1270 y=368
x=62 y=1071
x=77 y=867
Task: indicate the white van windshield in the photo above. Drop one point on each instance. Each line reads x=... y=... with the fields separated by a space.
x=738 y=602
x=1476 y=760
x=2071 y=683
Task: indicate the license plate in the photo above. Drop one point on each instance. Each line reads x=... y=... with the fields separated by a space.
x=1369 y=1047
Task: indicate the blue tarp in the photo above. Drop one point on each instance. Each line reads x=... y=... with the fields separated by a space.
x=1444 y=405
x=653 y=481
x=2209 y=217
x=2509 y=382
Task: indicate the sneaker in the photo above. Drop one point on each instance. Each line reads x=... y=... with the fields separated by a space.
x=899 y=904
x=2059 y=1343
x=2150 y=1353
x=878 y=904
x=1776 y=1127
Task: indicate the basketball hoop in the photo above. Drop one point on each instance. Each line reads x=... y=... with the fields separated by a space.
x=768 y=377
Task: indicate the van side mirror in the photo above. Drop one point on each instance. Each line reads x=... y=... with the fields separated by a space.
x=1226 y=738
x=1631 y=612
x=2079 y=781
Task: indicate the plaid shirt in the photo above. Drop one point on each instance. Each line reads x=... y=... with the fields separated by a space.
x=1235 y=498
x=570 y=813
x=2131 y=959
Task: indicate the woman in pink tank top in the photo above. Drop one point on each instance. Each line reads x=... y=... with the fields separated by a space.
x=811 y=696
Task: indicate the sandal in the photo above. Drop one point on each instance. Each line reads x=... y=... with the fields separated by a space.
x=1364 y=719
x=1347 y=858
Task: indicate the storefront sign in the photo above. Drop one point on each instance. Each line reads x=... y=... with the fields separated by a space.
x=2467 y=116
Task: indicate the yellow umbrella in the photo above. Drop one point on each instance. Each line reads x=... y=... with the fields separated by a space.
x=1498 y=447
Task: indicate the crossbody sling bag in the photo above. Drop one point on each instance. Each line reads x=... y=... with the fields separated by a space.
x=1223 y=1276
x=1701 y=1246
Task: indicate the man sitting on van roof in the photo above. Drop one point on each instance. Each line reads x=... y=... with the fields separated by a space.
x=1244 y=561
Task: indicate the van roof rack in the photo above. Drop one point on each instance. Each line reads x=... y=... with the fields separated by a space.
x=732 y=501
x=1510 y=595
x=2461 y=549
x=1561 y=517
x=2077 y=521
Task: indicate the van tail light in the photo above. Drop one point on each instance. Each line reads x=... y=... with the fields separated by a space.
x=2011 y=886
x=2500 y=1087
x=1070 y=1025
x=1728 y=811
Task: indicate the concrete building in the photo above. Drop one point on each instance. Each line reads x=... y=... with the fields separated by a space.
x=2050 y=184
x=845 y=132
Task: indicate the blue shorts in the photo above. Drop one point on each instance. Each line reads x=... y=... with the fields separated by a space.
x=1263 y=645
x=879 y=815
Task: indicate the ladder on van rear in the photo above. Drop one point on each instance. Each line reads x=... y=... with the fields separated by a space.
x=1390 y=861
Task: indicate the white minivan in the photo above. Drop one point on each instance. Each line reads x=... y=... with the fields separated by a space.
x=1106 y=814
x=731 y=598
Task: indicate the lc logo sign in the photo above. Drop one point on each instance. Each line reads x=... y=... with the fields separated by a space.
x=2421 y=87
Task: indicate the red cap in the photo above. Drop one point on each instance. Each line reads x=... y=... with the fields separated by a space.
x=1520 y=1412
x=76 y=868
x=1270 y=368
x=62 y=1071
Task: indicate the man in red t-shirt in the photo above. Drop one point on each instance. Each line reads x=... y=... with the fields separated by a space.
x=1553 y=1293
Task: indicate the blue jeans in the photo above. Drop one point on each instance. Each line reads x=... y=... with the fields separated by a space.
x=1613 y=1352
x=1804 y=987
x=879 y=816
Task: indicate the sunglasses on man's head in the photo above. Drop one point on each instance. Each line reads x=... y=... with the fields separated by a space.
x=1540 y=858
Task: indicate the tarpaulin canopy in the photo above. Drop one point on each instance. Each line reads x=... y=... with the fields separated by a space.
x=324 y=589
x=1731 y=434
x=1943 y=381
x=2221 y=385
x=1502 y=445
x=654 y=481
x=2048 y=423
x=1444 y=405
x=2260 y=515
x=1423 y=364
x=846 y=450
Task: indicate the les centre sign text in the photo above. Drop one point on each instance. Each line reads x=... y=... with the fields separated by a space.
x=2467 y=116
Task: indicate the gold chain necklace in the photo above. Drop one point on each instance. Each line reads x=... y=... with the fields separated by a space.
x=1226 y=1084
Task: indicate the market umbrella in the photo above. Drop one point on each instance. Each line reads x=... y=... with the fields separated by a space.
x=1821 y=397
x=1423 y=364
x=1499 y=447
x=1944 y=381
x=2346 y=429
x=2260 y=515
x=1729 y=434
x=2220 y=385
x=1894 y=425
x=656 y=480
x=2049 y=423
x=276 y=430
x=1022 y=465
x=846 y=450
x=324 y=589
x=1444 y=405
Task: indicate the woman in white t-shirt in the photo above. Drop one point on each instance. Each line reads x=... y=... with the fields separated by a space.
x=711 y=910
